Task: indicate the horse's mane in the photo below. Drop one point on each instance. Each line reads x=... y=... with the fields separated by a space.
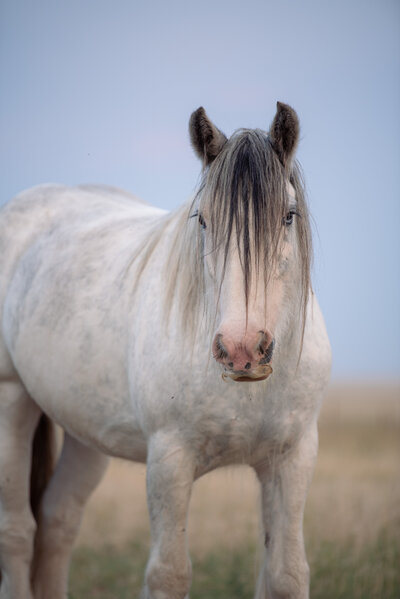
x=245 y=192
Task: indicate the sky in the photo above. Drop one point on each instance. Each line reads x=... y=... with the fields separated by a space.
x=102 y=91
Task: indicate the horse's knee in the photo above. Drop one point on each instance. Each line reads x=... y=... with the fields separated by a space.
x=58 y=526
x=165 y=581
x=16 y=554
x=17 y=535
x=54 y=540
x=289 y=585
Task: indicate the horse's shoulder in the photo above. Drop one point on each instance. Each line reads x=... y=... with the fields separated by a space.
x=316 y=355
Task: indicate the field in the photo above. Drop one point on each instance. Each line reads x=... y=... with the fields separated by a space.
x=352 y=521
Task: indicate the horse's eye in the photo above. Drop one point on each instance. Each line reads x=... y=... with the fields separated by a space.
x=202 y=222
x=199 y=215
x=288 y=220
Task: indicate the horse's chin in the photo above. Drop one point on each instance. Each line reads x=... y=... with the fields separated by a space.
x=260 y=373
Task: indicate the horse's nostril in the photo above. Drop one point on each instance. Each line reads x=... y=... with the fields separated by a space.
x=268 y=353
x=230 y=364
x=219 y=349
x=247 y=366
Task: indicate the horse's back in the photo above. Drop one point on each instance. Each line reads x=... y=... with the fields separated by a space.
x=35 y=210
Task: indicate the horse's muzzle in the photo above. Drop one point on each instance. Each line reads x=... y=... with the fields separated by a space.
x=260 y=373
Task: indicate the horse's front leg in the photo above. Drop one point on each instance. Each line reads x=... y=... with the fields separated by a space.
x=170 y=471
x=284 y=484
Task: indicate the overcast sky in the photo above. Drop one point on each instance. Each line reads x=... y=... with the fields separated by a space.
x=101 y=91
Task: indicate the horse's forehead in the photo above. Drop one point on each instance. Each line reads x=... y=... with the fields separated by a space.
x=290 y=190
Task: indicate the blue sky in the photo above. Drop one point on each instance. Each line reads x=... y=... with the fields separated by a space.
x=100 y=91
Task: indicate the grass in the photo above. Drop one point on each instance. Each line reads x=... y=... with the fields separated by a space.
x=107 y=573
x=372 y=572
x=337 y=571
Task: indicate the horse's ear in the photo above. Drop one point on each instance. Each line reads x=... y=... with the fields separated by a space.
x=207 y=140
x=284 y=132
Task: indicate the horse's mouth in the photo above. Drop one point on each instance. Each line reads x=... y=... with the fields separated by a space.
x=260 y=373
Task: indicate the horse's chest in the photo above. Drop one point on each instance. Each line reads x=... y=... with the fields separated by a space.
x=244 y=436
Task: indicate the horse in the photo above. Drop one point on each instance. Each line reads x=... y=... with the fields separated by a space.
x=189 y=340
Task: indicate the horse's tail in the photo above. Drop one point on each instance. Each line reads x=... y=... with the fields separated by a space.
x=43 y=449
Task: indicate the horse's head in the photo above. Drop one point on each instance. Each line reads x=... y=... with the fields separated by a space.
x=254 y=240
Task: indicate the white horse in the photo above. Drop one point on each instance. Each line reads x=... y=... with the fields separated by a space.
x=117 y=321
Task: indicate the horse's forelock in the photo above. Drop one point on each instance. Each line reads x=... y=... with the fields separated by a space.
x=245 y=195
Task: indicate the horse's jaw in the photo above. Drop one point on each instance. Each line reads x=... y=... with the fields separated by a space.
x=260 y=373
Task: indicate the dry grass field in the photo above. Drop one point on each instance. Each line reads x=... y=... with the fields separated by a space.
x=352 y=521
